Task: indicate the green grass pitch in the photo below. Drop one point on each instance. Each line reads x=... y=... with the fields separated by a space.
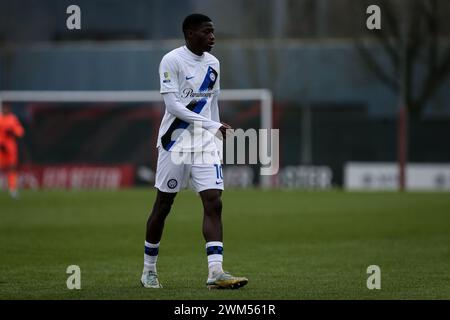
x=291 y=245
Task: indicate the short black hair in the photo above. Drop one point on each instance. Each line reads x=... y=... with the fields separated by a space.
x=193 y=21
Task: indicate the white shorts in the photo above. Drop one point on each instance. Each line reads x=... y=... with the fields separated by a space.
x=200 y=170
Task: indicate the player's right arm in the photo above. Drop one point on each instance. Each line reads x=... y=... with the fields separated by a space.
x=175 y=106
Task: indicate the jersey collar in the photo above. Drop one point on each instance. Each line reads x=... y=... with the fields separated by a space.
x=193 y=55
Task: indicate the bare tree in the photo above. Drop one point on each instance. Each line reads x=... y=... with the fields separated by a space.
x=420 y=62
x=410 y=38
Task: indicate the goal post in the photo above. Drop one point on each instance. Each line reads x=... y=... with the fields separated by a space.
x=264 y=96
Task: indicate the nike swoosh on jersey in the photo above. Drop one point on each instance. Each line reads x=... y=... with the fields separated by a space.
x=189 y=78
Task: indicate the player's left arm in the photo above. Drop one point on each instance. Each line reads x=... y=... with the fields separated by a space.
x=215 y=108
x=215 y=116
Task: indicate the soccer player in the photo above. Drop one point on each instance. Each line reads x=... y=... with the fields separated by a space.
x=189 y=79
x=10 y=130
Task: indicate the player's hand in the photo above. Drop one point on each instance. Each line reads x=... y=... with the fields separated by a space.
x=223 y=129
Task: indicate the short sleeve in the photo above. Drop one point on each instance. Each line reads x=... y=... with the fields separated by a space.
x=168 y=75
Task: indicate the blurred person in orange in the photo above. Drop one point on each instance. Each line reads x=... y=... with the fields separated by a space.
x=10 y=130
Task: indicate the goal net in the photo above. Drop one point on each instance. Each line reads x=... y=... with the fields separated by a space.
x=107 y=139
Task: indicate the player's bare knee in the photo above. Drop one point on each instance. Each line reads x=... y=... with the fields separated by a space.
x=213 y=205
x=164 y=202
x=165 y=205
